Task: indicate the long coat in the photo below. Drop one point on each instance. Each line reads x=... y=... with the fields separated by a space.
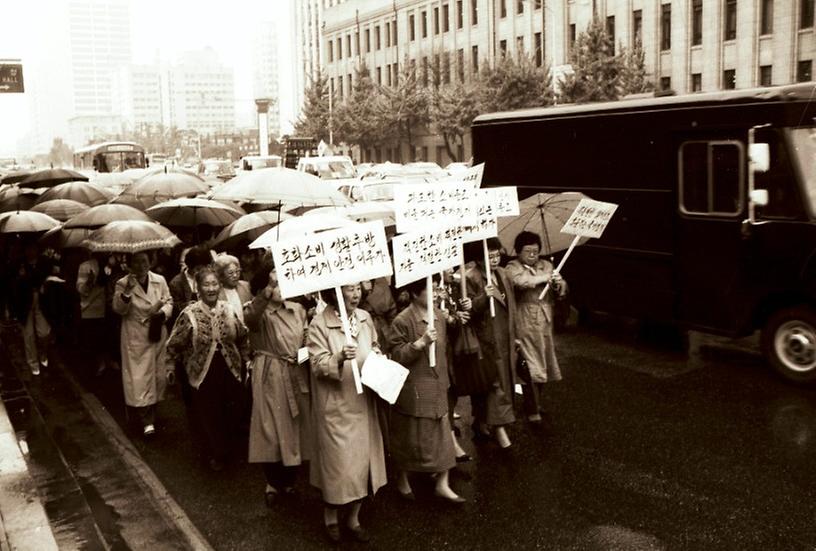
x=143 y=375
x=349 y=453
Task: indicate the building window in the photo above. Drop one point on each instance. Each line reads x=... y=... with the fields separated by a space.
x=425 y=71
x=665 y=27
x=446 y=68
x=729 y=79
x=804 y=71
x=350 y=84
x=460 y=17
x=331 y=86
x=460 y=65
x=806 y=8
x=424 y=24
x=436 y=20
x=519 y=46
x=339 y=48
x=437 y=70
x=388 y=75
x=379 y=75
x=387 y=34
x=340 y=86
x=572 y=36
x=539 y=51
x=503 y=48
x=711 y=175
x=697 y=82
x=665 y=83
x=331 y=50
x=637 y=27
x=445 y=18
x=411 y=31
x=766 y=17
x=377 y=44
x=394 y=32
x=348 y=46
x=368 y=40
x=502 y=8
x=474 y=59
x=519 y=7
x=474 y=12
x=765 y=75
x=610 y=30
x=730 y=28
x=697 y=22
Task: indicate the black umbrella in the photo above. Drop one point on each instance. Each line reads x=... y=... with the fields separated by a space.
x=51 y=177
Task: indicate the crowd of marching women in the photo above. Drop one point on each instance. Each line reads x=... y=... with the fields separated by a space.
x=217 y=326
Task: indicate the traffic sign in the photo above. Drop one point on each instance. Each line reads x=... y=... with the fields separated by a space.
x=11 y=78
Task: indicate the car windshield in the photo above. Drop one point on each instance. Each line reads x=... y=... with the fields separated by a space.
x=219 y=168
x=333 y=170
x=378 y=192
x=258 y=164
x=804 y=151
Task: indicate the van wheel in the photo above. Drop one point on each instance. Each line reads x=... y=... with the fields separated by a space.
x=789 y=343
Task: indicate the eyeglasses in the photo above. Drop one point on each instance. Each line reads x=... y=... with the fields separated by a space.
x=232 y=273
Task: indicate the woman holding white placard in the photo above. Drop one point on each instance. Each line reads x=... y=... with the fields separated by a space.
x=349 y=456
x=534 y=330
x=421 y=439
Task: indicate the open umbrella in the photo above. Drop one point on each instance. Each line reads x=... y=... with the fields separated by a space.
x=299 y=226
x=280 y=185
x=15 y=177
x=65 y=238
x=98 y=216
x=248 y=228
x=60 y=209
x=364 y=211
x=83 y=192
x=544 y=214
x=26 y=222
x=51 y=177
x=191 y=212
x=17 y=198
x=130 y=236
x=156 y=188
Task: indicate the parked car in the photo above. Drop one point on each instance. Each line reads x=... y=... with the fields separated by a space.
x=335 y=167
x=217 y=168
x=369 y=190
x=257 y=162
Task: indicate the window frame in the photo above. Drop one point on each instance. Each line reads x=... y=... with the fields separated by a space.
x=729 y=32
x=741 y=184
x=696 y=22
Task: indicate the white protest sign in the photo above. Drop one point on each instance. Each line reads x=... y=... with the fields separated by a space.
x=472 y=176
x=423 y=253
x=419 y=206
x=333 y=258
x=590 y=218
x=485 y=226
x=505 y=200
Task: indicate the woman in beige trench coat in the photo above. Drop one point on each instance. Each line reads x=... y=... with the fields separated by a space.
x=140 y=297
x=349 y=457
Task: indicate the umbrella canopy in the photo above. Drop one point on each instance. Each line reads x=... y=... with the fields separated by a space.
x=15 y=177
x=65 y=238
x=248 y=228
x=164 y=169
x=26 y=222
x=98 y=216
x=51 y=177
x=280 y=185
x=17 y=198
x=544 y=214
x=84 y=192
x=193 y=212
x=364 y=211
x=162 y=186
x=130 y=236
x=299 y=226
x=60 y=209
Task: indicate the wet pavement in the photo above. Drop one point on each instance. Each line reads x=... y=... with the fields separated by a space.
x=643 y=447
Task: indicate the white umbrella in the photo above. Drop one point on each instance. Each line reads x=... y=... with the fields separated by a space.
x=280 y=185
x=299 y=226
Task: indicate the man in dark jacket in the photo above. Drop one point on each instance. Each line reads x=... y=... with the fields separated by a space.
x=26 y=279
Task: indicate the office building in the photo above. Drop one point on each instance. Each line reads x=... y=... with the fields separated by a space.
x=265 y=71
x=137 y=95
x=308 y=22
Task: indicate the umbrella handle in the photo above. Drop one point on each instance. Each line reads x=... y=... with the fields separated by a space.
x=560 y=265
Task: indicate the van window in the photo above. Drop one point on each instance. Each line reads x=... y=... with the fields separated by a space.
x=804 y=149
x=711 y=177
x=783 y=195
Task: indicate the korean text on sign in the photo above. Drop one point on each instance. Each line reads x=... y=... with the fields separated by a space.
x=420 y=254
x=329 y=259
x=590 y=218
x=418 y=206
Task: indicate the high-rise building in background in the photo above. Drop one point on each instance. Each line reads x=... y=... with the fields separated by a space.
x=308 y=20
x=200 y=92
x=689 y=45
x=137 y=95
x=265 y=71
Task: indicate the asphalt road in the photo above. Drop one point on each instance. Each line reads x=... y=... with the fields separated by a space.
x=643 y=448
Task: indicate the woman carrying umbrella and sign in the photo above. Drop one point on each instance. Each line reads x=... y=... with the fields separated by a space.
x=530 y=274
x=143 y=300
x=349 y=457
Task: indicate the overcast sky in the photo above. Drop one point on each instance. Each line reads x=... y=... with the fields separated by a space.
x=162 y=28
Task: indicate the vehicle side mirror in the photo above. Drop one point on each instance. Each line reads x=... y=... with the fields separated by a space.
x=759 y=197
x=760 y=155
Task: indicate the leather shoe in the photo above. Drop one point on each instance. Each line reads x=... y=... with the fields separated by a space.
x=458 y=500
x=463 y=458
x=269 y=498
x=360 y=534
x=333 y=532
x=407 y=496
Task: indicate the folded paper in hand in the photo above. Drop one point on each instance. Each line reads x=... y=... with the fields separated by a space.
x=384 y=376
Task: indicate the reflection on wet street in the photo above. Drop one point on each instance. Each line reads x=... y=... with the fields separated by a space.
x=645 y=446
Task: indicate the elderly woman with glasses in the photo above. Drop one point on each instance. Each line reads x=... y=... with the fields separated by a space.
x=234 y=291
x=529 y=274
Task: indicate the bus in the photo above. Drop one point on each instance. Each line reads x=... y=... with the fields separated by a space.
x=110 y=157
x=716 y=225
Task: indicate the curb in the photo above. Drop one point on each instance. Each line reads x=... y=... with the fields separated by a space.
x=22 y=517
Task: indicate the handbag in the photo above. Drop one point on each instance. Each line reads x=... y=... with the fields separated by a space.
x=154 y=327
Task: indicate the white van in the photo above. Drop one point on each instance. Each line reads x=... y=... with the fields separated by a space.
x=335 y=167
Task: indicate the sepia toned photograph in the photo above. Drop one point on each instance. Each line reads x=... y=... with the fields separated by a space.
x=407 y=275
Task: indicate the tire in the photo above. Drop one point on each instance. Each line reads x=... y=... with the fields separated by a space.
x=789 y=343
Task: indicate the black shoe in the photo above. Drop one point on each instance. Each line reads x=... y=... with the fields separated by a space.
x=215 y=465
x=463 y=458
x=480 y=435
x=407 y=496
x=269 y=497
x=360 y=534
x=333 y=532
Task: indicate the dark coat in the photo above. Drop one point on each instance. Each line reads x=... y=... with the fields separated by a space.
x=425 y=393
x=183 y=295
x=25 y=281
